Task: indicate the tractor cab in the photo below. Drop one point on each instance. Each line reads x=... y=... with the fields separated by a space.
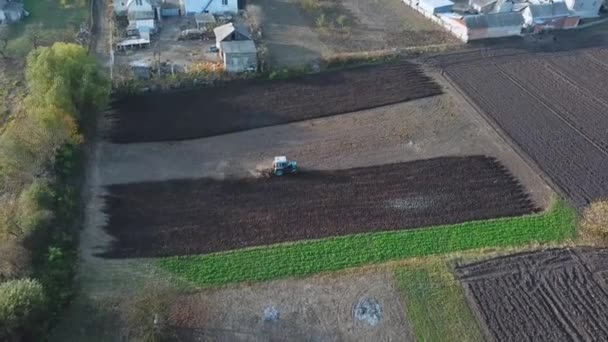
x=281 y=166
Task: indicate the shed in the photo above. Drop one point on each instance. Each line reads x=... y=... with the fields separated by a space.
x=482 y=6
x=584 y=8
x=239 y=56
x=435 y=6
x=230 y=32
x=492 y=25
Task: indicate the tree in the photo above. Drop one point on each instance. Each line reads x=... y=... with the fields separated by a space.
x=22 y=308
x=64 y=78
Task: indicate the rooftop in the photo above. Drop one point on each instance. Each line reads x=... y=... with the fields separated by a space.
x=494 y=20
x=223 y=31
x=556 y=9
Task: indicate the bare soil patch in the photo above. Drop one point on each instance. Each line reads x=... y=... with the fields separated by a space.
x=555 y=295
x=311 y=309
x=205 y=215
x=366 y=25
x=550 y=107
x=246 y=105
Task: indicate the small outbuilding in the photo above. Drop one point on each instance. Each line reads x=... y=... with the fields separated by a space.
x=538 y=17
x=482 y=6
x=239 y=56
x=141 y=15
x=230 y=32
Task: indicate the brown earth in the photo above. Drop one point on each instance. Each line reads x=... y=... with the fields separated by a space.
x=205 y=215
x=555 y=295
x=251 y=104
x=550 y=106
x=311 y=309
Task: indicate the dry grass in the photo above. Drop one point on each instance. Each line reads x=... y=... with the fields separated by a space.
x=593 y=226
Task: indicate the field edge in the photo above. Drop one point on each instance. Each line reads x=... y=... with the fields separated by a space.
x=305 y=258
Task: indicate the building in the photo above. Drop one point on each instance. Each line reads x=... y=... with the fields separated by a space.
x=483 y=26
x=431 y=7
x=482 y=6
x=141 y=15
x=239 y=55
x=212 y=6
x=11 y=11
x=584 y=8
x=230 y=32
x=538 y=17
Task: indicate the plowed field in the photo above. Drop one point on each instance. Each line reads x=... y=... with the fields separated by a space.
x=556 y=295
x=553 y=106
x=246 y=105
x=205 y=215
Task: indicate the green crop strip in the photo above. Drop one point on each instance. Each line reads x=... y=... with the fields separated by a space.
x=307 y=257
x=435 y=303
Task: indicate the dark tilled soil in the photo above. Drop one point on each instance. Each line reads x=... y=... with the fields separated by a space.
x=203 y=216
x=246 y=105
x=551 y=107
x=556 y=295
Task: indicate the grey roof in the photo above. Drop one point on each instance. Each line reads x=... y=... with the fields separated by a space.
x=223 y=31
x=550 y=10
x=238 y=46
x=494 y=20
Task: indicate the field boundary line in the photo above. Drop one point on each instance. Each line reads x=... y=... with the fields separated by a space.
x=506 y=138
x=550 y=108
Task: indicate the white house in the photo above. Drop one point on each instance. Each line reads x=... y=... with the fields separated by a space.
x=211 y=6
x=549 y=16
x=585 y=8
x=11 y=11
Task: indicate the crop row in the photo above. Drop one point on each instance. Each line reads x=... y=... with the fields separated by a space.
x=307 y=257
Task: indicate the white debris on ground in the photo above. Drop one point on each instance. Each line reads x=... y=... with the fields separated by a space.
x=369 y=311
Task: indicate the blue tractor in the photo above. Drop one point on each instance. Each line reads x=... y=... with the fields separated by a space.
x=281 y=166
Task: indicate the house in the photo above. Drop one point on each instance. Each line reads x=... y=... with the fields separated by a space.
x=230 y=32
x=491 y=25
x=538 y=17
x=11 y=11
x=141 y=15
x=584 y=8
x=212 y=6
x=482 y=6
x=239 y=55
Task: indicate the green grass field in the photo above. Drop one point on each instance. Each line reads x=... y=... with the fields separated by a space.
x=308 y=257
x=435 y=304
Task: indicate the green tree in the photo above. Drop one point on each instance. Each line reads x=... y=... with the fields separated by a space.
x=22 y=309
x=65 y=78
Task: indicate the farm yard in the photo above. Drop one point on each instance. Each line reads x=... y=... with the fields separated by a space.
x=555 y=295
x=401 y=179
x=550 y=107
x=188 y=217
x=253 y=104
